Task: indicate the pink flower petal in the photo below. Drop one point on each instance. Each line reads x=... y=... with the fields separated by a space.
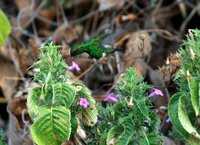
x=84 y=102
x=168 y=120
x=156 y=92
x=112 y=98
x=74 y=66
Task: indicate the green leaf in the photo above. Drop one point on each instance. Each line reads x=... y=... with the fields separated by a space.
x=84 y=90
x=4 y=27
x=143 y=108
x=173 y=109
x=173 y=115
x=63 y=94
x=90 y=113
x=152 y=140
x=52 y=125
x=114 y=132
x=194 y=91
x=127 y=135
x=184 y=119
x=33 y=101
x=74 y=125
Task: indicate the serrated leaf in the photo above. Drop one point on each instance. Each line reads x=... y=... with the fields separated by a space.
x=125 y=138
x=52 y=125
x=155 y=122
x=194 y=91
x=74 y=125
x=90 y=114
x=84 y=90
x=142 y=107
x=173 y=115
x=114 y=132
x=184 y=119
x=64 y=94
x=33 y=101
x=152 y=140
x=5 y=27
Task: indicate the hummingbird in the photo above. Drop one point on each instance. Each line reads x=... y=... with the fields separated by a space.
x=95 y=48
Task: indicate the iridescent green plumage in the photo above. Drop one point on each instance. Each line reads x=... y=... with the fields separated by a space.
x=93 y=47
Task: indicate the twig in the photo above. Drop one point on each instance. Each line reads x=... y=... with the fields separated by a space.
x=79 y=20
x=47 y=20
x=34 y=14
x=187 y=20
x=14 y=60
x=87 y=70
x=11 y=78
x=165 y=34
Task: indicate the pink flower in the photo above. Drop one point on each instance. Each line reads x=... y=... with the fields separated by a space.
x=84 y=102
x=190 y=32
x=156 y=92
x=112 y=98
x=74 y=66
x=167 y=120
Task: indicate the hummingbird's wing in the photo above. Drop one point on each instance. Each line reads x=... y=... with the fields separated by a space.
x=110 y=39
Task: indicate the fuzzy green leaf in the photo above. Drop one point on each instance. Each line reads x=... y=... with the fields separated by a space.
x=90 y=113
x=33 y=101
x=84 y=90
x=194 y=91
x=143 y=108
x=63 y=94
x=52 y=125
x=174 y=118
x=127 y=135
x=173 y=114
x=150 y=140
x=5 y=28
x=114 y=132
x=74 y=125
x=184 y=119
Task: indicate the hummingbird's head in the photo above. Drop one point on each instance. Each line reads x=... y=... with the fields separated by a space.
x=74 y=50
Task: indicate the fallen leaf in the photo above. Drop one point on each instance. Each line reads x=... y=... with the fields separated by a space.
x=107 y=4
x=8 y=77
x=138 y=52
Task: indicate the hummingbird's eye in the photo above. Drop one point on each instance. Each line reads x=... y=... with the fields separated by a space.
x=74 y=51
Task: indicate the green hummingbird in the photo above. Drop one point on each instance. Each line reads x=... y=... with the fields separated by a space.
x=94 y=46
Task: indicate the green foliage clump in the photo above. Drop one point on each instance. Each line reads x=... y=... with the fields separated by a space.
x=53 y=104
x=130 y=120
x=2 y=137
x=5 y=28
x=184 y=106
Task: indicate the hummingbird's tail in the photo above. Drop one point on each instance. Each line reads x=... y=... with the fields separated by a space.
x=119 y=49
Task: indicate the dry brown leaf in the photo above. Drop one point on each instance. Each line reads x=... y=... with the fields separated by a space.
x=8 y=77
x=25 y=16
x=138 y=51
x=107 y=4
x=139 y=45
x=48 y=14
x=18 y=133
x=22 y=3
x=28 y=56
x=64 y=33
